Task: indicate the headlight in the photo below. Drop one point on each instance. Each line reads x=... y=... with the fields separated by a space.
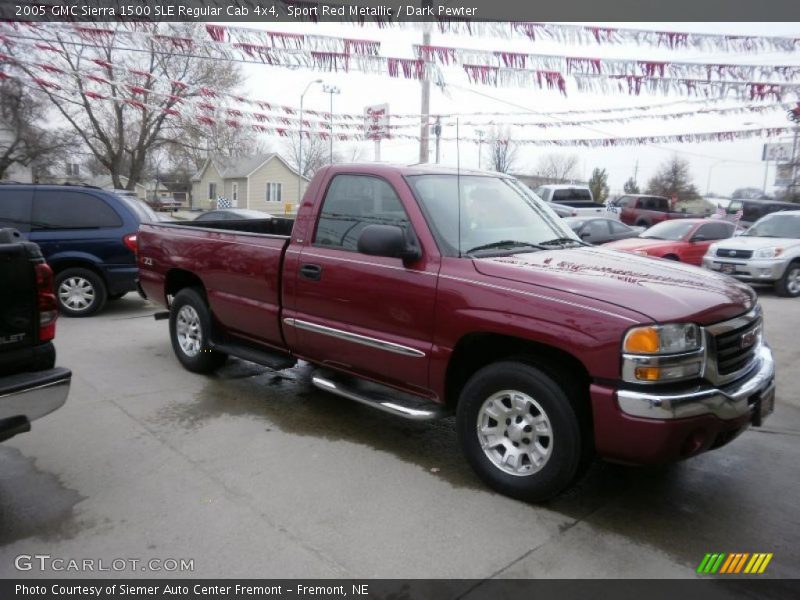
x=663 y=353
x=770 y=252
x=712 y=250
x=640 y=252
x=663 y=339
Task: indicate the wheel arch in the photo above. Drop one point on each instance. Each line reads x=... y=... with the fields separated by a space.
x=178 y=279
x=477 y=350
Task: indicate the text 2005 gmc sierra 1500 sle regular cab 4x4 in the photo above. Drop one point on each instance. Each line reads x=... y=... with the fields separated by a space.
x=423 y=290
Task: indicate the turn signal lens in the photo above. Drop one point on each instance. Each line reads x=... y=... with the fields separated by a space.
x=648 y=373
x=643 y=340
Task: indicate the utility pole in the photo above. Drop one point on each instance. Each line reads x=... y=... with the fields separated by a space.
x=425 y=102
x=636 y=173
x=331 y=89
x=437 y=131
x=794 y=116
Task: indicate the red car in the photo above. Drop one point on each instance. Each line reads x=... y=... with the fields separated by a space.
x=685 y=240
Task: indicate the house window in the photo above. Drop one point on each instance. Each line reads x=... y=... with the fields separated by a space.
x=212 y=190
x=274 y=192
x=235 y=191
x=73 y=170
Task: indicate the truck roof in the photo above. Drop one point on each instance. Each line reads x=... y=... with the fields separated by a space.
x=378 y=168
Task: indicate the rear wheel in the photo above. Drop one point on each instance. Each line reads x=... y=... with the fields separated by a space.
x=789 y=285
x=644 y=224
x=519 y=431
x=80 y=292
x=190 y=330
x=671 y=257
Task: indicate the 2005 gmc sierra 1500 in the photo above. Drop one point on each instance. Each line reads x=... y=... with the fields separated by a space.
x=425 y=291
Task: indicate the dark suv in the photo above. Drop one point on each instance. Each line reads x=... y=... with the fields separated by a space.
x=87 y=236
x=753 y=210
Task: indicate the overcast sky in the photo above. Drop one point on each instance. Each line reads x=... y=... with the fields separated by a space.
x=729 y=165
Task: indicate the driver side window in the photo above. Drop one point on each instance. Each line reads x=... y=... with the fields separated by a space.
x=351 y=203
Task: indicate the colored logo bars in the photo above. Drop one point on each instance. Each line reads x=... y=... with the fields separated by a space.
x=741 y=562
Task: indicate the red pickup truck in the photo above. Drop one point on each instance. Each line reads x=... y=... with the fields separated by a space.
x=645 y=211
x=425 y=291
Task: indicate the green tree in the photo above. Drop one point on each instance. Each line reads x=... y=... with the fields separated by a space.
x=673 y=179
x=631 y=187
x=599 y=185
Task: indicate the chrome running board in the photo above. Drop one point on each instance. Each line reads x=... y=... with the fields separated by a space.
x=381 y=397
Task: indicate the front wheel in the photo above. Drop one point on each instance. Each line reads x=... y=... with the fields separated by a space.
x=190 y=329
x=789 y=285
x=519 y=431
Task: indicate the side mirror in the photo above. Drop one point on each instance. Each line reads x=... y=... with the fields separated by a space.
x=699 y=238
x=585 y=235
x=388 y=240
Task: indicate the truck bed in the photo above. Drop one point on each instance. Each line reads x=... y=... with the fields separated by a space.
x=239 y=263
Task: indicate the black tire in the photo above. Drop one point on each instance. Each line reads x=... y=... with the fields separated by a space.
x=567 y=445
x=644 y=224
x=787 y=286
x=671 y=257
x=80 y=292
x=113 y=297
x=196 y=321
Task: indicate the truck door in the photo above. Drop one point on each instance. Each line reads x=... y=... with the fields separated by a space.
x=370 y=315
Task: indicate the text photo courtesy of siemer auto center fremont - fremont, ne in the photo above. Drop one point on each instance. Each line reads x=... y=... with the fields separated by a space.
x=418 y=300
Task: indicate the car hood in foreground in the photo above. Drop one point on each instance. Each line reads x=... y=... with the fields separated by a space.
x=664 y=291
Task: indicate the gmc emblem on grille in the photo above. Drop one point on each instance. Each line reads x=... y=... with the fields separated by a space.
x=748 y=339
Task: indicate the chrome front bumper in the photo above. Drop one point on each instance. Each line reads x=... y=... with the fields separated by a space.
x=725 y=402
x=749 y=269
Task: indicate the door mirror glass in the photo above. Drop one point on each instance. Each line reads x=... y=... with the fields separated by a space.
x=388 y=240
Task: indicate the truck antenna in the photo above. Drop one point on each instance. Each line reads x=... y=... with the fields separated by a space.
x=458 y=185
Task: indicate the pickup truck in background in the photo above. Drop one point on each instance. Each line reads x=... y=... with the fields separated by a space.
x=30 y=385
x=576 y=197
x=424 y=291
x=645 y=211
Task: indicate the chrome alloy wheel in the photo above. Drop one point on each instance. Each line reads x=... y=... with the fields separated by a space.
x=793 y=281
x=76 y=293
x=190 y=335
x=515 y=433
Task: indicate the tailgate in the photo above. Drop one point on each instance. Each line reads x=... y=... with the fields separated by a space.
x=18 y=302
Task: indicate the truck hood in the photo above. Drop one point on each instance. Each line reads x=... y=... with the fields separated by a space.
x=744 y=242
x=664 y=290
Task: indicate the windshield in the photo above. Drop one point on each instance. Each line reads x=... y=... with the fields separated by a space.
x=669 y=230
x=776 y=225
x=494 y=211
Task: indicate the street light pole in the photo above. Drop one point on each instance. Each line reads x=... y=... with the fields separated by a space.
x=300 y=151
x=331 y=89
x=711 y=168
x=479 y=133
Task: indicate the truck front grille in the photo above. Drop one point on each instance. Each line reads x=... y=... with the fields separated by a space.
x=736 y=349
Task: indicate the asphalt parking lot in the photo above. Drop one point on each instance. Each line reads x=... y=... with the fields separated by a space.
x=255 y=473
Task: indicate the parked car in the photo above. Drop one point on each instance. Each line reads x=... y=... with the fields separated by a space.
x=423 y=291
x=163 y=203
x=686 y=240
x=753 y=210
x=600 y=230
x=768 y=252
x=232 y=214
x=87 y=235
x=645 y=211
x=577 y=197
x=30 y=384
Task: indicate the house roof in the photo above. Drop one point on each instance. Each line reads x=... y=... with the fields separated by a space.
x=239 y=168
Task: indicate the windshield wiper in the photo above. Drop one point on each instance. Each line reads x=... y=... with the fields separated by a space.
x=503 y=244
x=562 y=241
